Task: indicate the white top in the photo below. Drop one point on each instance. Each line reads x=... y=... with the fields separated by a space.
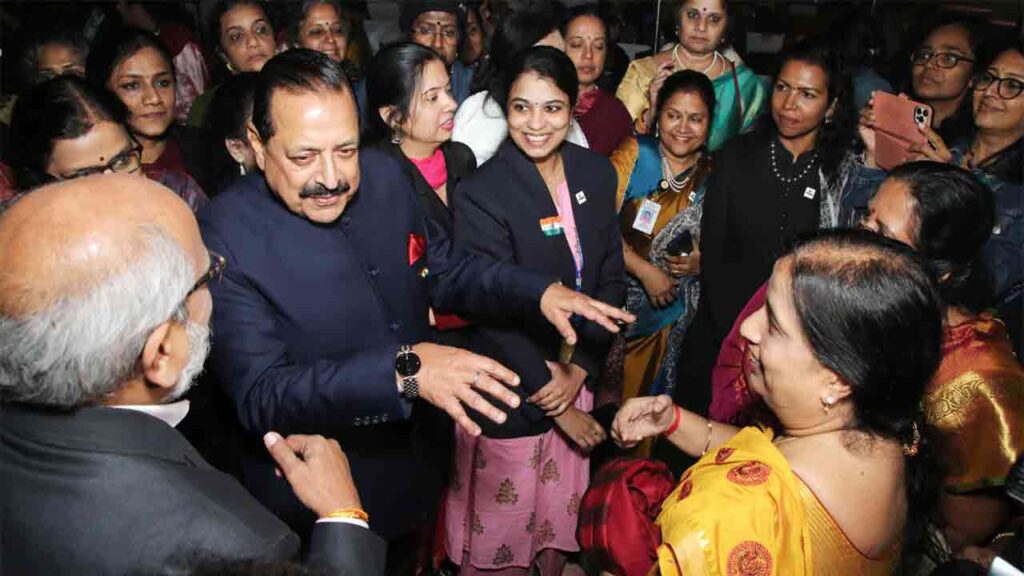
x=481 y=125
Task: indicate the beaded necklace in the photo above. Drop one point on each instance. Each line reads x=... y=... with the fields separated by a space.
x=670 y=182
x=775 y=167
x=714 y=60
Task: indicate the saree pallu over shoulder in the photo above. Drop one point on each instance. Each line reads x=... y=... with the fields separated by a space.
x=976 y=403
x=741 y=511
x=741 y=98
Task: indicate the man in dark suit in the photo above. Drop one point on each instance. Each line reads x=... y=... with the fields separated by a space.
x=322 y=320
x=103 y=313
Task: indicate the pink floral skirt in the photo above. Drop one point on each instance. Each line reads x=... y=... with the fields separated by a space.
x=511 y=498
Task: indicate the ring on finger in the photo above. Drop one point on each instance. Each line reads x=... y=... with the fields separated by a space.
x=476 y=378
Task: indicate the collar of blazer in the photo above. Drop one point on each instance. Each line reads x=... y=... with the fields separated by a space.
x=527 y=171
x=98 y=429
x=534 y=185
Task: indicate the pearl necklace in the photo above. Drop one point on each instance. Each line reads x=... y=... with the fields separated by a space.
x=669 y=181
x=775 y=168
x=714 y=60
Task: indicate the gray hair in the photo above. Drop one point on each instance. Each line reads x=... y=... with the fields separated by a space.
x=85 y=347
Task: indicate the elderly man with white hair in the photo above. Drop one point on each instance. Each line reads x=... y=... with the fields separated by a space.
x=103 y=325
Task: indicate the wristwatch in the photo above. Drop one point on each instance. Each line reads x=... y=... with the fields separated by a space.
x=407 y=364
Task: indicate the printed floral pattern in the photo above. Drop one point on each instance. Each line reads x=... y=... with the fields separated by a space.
x=749 y=474
x=749 y=558
x=506 y=492
x=550 y=472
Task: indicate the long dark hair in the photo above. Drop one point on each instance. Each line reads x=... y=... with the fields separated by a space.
x=516 y=32
x=63 y=108
x=546 y=62
x=953 y=214
x=230 y=111
x=838 y=136
x=871 y=312
x=117 y=47
x=392 y=80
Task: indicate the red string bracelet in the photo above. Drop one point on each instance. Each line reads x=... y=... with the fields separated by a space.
x=675 y=421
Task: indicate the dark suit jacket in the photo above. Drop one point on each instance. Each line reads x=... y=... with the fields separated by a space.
x=459 y=163
x=497 y=213
x=113 y=491
x=308 y=318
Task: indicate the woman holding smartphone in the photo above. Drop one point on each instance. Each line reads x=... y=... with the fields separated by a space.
x=662 y=178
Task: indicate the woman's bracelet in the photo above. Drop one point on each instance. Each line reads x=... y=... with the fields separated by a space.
x=675 y=422
x=707 y=444
x=350 y=513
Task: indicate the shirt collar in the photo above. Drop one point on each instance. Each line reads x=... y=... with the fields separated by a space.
x=171 y=414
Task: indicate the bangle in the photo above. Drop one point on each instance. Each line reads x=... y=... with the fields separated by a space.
x=708 y=443
x=675 y=422
x=351 y=513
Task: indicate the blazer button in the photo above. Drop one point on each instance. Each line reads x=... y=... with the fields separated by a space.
x=395 y=326
x=373 y=272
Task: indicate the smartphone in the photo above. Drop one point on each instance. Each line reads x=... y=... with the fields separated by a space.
x=681 y=245
x=897 y=126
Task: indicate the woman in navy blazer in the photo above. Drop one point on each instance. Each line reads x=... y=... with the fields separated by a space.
x=549 y=206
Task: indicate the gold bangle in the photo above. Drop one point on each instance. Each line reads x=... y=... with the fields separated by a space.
x=707 y=444
x=350 y=513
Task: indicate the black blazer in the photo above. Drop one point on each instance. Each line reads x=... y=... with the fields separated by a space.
x=459 y=163
x=113 y=491
x=497 y=213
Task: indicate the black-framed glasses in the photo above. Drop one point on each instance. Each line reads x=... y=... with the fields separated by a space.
x=217 y=265
x=128 y=161
x=1006 y=88
x=942 y=59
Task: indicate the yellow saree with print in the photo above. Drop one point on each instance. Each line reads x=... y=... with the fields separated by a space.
x=741 y=511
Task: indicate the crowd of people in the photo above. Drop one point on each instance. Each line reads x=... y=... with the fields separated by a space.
x=490 y=300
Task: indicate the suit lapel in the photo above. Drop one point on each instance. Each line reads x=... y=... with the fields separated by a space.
x=539 y=200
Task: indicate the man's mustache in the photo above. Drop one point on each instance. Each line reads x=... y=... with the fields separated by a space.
x=321 y=191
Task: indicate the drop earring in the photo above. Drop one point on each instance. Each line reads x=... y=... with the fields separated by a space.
x=829 y=401
x=241 y=169
x=396 y=136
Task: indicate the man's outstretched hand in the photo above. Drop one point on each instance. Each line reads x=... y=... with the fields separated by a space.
x=558 y=304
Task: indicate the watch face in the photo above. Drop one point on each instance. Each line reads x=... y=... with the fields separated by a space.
x=407 y=364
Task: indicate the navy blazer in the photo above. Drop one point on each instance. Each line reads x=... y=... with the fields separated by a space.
x=308 y=318
x=497 y=213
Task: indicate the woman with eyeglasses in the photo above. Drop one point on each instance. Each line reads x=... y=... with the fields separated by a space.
x=941 y=70
x=66 y=129
x=995 y=155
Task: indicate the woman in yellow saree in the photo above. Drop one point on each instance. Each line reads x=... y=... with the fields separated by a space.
x=840 y=353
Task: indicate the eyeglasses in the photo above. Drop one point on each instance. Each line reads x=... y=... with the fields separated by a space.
x=431 y=30
x=942 y=59
x=129 y=161
x=217 y=265
x=1006 y=88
